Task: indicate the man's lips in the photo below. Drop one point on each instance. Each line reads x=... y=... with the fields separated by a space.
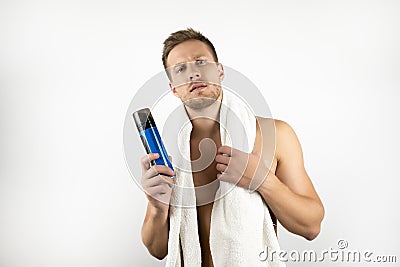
x=198 y=86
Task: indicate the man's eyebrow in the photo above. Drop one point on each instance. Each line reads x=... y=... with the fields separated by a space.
x=202 y=56
x=194 y=58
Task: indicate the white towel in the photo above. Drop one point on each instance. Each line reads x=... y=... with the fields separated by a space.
x=241 y=226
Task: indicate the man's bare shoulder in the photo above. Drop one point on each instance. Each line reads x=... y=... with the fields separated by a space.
x=280 y=125
x=284 y=129
x=286 y=140
x=266 y=122
x=276 y=121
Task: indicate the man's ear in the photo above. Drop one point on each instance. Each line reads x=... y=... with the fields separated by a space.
x=173 y=89
x=221 y=71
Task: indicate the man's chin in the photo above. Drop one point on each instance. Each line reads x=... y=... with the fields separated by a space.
x=199 y=102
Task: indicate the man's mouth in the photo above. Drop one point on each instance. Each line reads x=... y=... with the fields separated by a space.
x=198 y=86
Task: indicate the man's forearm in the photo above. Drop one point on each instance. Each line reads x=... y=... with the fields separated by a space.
x=155 y=232
x=298 y=214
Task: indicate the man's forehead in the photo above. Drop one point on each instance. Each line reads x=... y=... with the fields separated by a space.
x=189 y=51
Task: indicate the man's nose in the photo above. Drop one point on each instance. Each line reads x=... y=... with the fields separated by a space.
x=194 y=76
x=194 y=73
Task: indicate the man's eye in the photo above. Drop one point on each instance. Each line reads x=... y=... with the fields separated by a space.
x=179 y=69
x=201 y=62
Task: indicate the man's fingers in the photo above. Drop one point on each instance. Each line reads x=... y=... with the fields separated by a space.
x=226 y=150
x=221 y=167
x=158 y=189
x=165 y=170
x=222 y=159
x=157 y=180
x=158 y=169
x=147 y=159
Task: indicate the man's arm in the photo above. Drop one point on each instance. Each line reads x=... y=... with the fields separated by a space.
x=155 y=232
x=289 y=192
x=158 y=189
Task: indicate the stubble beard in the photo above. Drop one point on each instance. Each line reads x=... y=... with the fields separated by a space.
x=203 y=100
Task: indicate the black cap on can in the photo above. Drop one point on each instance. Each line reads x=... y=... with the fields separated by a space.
x=143 y=119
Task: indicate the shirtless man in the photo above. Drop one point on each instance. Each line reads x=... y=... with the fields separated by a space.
x=287 y=189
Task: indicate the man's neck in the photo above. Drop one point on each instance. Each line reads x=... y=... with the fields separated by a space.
x=206 y=120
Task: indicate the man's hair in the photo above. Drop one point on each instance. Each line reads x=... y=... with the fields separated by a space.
x=184 y=35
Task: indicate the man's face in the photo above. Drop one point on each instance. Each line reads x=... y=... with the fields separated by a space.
x=195 y=77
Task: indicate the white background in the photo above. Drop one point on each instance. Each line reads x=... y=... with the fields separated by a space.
x=68 y=70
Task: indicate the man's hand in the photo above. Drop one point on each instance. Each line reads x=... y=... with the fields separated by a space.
x=247 y=170
x=156 y=182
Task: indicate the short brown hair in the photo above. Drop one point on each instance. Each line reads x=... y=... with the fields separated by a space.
x=181 y=36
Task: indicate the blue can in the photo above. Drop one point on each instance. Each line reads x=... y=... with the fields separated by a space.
x=150 y=136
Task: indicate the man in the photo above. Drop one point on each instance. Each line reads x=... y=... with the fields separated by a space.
x=286 y=187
